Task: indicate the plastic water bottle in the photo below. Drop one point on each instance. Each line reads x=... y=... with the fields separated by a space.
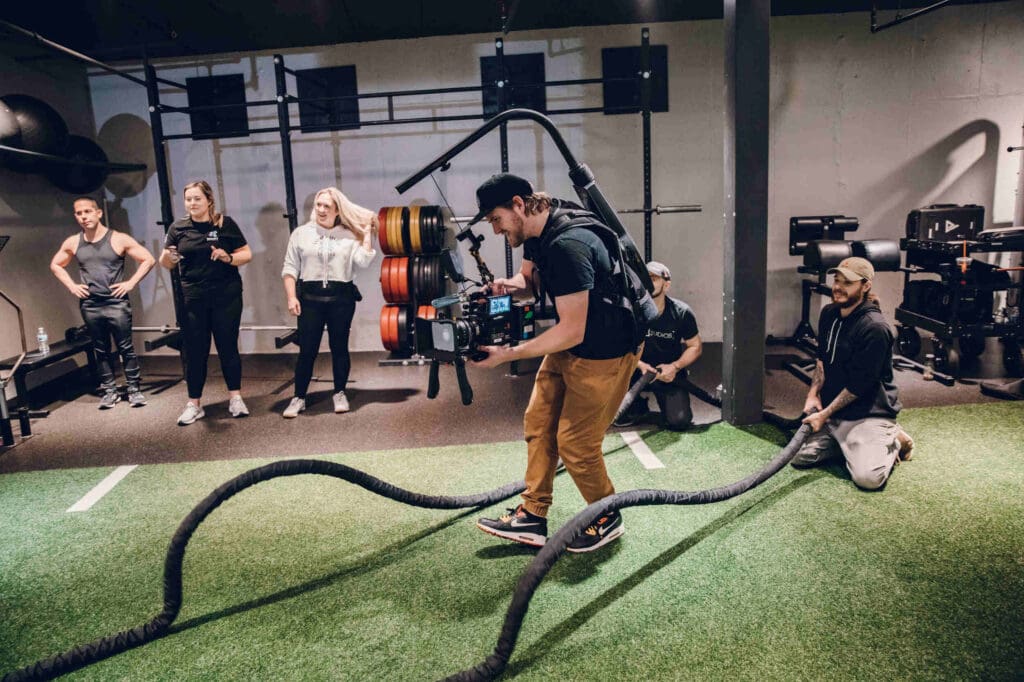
x=43 y=341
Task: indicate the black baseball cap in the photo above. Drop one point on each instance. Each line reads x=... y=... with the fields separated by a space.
x=497 y=190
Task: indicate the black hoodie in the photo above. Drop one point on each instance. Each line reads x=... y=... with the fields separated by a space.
x=856 y=351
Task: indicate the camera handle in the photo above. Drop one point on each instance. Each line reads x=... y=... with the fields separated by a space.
x=464 y=388
x=434 y=382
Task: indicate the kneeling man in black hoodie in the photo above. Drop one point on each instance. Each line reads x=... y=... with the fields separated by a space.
x=852 y=387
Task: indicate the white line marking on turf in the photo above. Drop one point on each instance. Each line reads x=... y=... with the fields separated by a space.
x=104 y=487
x=640 y=449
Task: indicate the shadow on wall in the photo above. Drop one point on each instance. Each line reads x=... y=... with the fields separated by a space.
x=925 y=179
x=883 y=206
x=264 y=295
x=128 y=137
x=31 y=198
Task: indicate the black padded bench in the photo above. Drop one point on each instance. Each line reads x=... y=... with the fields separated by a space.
x=59 y=350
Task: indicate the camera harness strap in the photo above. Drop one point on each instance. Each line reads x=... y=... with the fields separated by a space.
x=642 y=307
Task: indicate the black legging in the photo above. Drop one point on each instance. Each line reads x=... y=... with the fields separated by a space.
x=218 y=312
x=335 y=311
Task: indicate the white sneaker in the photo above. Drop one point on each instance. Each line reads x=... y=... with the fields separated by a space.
x=191 y=413
x=341 y=402
x=237 y=408
x=294 y=407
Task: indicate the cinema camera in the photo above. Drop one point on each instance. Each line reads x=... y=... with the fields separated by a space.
x=484 y=321
x=468 y=320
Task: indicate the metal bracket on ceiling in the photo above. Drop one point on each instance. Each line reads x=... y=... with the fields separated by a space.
x=875 y=27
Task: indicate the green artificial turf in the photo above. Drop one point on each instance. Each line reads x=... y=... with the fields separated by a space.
x=311 y=578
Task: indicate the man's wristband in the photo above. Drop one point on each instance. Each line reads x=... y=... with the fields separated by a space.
x=231 y=258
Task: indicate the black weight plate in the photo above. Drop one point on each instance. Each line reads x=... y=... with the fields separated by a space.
x=406 y=241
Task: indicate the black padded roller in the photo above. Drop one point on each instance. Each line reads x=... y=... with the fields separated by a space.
x=884 y=254
x=825 y=253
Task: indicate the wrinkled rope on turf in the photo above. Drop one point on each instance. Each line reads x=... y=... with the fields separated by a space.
x=490 y=668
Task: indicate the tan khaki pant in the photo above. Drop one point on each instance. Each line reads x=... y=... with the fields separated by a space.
x=573 y=403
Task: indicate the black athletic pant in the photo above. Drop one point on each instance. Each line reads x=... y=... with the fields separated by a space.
x=217 y=312
x=673 y=401
x=334 y=308
x=106 y=320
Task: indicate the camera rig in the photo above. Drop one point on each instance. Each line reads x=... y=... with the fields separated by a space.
x=496 y=319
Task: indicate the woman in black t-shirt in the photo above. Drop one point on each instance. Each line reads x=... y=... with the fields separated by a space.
x=208 y=248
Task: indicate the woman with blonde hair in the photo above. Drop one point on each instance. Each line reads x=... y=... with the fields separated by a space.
x=208 y=248
x=318 y=284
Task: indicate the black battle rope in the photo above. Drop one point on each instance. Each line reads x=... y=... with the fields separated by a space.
x=106 y=647
x=528 y=583
x=770 y=417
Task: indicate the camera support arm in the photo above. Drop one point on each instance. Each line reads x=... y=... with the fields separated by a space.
x=474 y=250
x=581 y=176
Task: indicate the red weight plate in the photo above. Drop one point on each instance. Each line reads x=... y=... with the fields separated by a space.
x=382 y=219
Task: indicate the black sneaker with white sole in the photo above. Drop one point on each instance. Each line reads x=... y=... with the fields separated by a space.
x=518 y=525
x=606 y=528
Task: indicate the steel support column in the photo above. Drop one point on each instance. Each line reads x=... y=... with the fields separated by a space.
x=745 y=214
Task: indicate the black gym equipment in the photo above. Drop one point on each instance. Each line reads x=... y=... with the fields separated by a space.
x=42 y=130
x=34 y=139
x=7 y=439
x=957 y=307
x=821 y=241
x=10 y=129
x=77 y=177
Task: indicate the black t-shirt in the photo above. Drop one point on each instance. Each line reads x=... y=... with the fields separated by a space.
x=195 y=241
x=577 y=260
x=666 y=334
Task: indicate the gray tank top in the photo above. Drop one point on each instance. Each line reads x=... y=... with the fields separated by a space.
x=100 y=268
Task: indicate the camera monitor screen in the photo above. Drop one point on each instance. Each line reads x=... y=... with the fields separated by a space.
x=499 y=304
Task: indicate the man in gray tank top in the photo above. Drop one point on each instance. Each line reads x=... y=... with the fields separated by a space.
x=103 y=293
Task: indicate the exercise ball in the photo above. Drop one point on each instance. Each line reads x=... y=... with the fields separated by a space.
x=10 y=129
x=42 y=130
x=79 y=179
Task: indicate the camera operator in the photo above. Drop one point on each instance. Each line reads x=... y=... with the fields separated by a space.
x=673 y=344
x=589 y=356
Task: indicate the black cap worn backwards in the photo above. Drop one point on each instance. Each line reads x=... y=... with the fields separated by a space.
x=497 y=190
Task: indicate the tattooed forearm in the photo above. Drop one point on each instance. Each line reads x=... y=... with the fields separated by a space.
x=842 y=400
x=818 y=378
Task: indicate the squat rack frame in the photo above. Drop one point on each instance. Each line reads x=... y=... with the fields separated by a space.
x=283 y=101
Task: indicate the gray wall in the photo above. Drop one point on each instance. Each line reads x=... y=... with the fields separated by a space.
x=865 y=125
